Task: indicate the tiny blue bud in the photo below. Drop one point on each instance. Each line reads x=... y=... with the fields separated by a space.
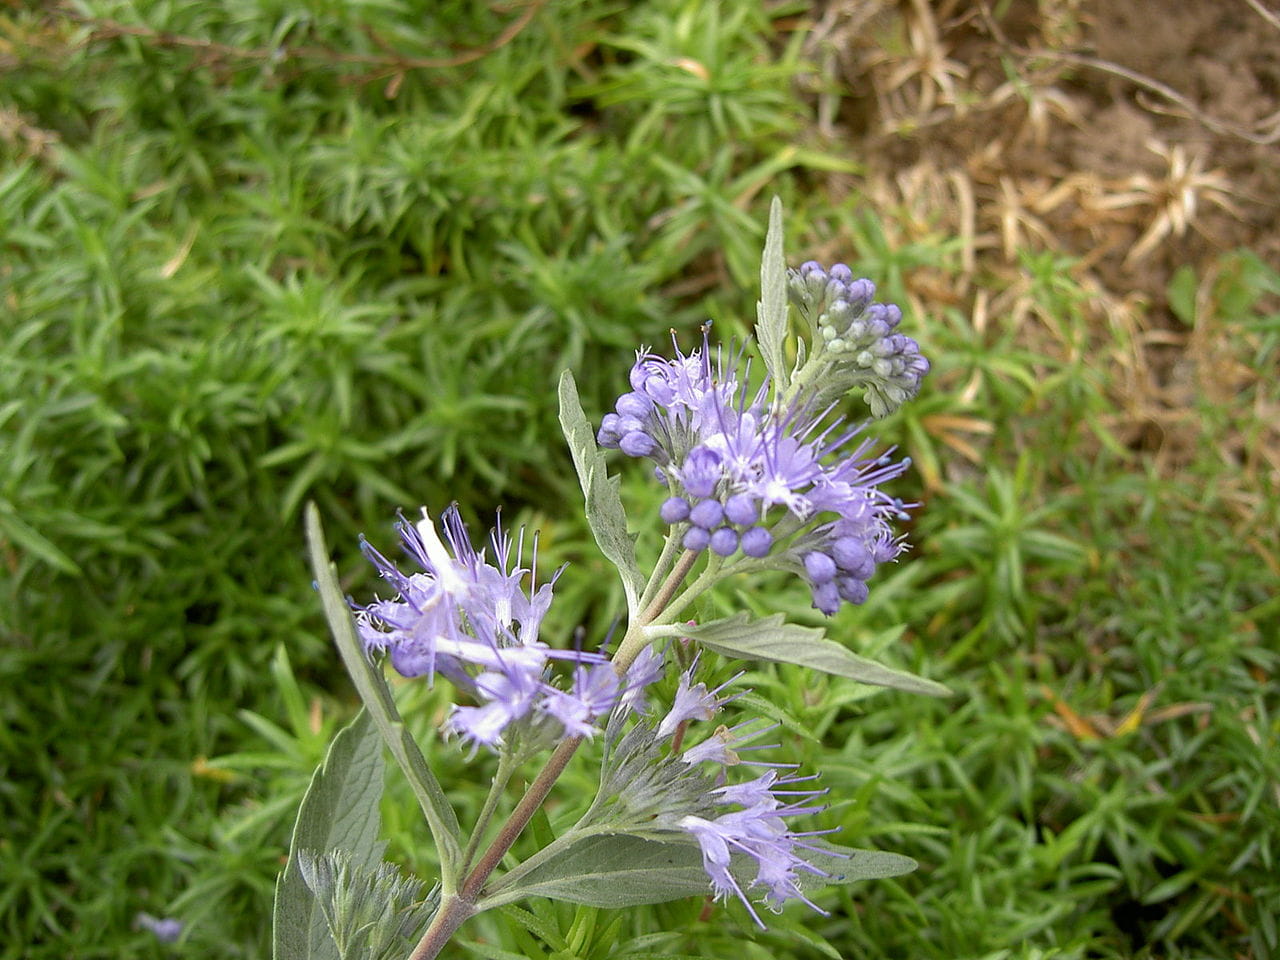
x=634 y=405
x=696 y=538
x=820 y=567
x=841 y=272
x=627 y=425
x=852 y=589
x=853 y=557
x=826 y=597
x=707 y=514
x=742 y=509
x=757 y=542
x=861 y=292
x=724 y=541
x=608 y=435
x=674 y=510
x=636 y=444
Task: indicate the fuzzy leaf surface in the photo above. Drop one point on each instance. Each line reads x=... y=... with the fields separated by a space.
x=338 y=813
x=605 y=514
x=376 y=914
x=625 y=870
x=771 y=312
x=614 y=870
x=775 y=640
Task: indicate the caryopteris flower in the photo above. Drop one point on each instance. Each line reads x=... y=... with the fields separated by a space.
x=778 y=478
x=474 y=622
x=651 y=788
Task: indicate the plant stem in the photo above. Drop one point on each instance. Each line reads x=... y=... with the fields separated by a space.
x=669 y=548
x=519 y=819
x=451 y=914
x=455 y=910
x=501 y=776
x=673 y=605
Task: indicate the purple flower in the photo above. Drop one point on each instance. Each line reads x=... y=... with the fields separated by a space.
x=593 y=695
x=644 y=670
x=724 y=745
x=693 y=701
x=772 y=475
x=760 y=833
x=511 y=695
x=477 y=623
x=165 y=929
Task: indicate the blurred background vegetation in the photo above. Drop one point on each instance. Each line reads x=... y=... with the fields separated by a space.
x=254 y=253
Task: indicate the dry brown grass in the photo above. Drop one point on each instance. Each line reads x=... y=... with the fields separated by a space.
x=994 y=130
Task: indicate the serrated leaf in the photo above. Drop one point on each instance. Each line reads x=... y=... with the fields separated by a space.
x=605 y=515
x=372 y=687
x=775 y=640
x=339 y=812
x=771 y=311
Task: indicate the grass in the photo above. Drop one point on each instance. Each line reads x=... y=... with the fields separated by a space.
x=253 y=254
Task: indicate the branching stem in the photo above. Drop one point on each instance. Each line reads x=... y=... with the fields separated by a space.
x=455 y=909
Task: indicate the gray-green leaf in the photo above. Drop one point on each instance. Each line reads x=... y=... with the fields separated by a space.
x=605 y=515
x=624 y=870
x=776 y=640
x=848 y=865
x=771 y=312
x=339 y=812
x=613 y=870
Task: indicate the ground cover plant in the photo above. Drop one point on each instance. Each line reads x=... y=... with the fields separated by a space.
x=252 y=255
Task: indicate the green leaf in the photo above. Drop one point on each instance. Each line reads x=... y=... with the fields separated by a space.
x=29 y=538
x=771 y=311
x=624 y=870
x=1182 y=294
x=339 y=812
x=612 y=870
x=849 y=865
x=775 y=640
x=373 y=690
x=605 y=515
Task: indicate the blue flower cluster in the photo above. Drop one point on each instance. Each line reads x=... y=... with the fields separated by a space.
x=854 y=341
x=746 y=474
x=472 y=622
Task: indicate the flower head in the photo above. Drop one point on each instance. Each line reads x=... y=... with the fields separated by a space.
x=854 y=340
x=476 y=623
x=742 y=829
x=776 y=479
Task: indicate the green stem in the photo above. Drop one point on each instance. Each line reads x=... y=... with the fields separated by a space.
x=493 y=894
x=501 y=777
x=635 y=640
x=669 y=549
x=705 y=581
